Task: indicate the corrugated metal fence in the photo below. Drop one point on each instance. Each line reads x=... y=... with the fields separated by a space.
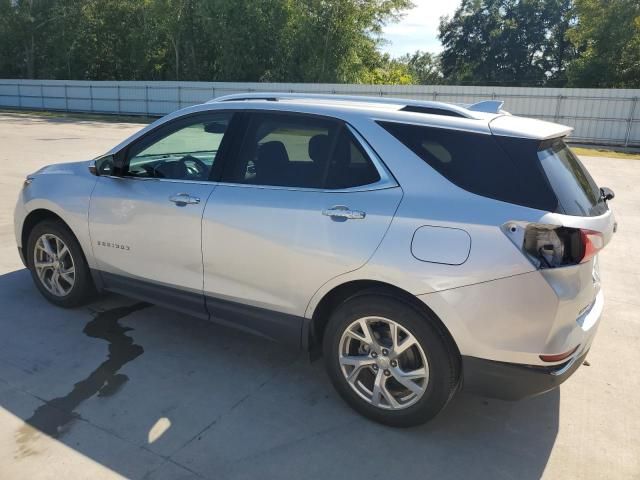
x=601 y=116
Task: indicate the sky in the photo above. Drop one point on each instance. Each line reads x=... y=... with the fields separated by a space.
x=418 y=30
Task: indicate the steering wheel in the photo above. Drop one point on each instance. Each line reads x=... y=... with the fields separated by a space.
x=201 y=168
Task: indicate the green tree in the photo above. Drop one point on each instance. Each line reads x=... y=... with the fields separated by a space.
x=31 y=29
x=224 y=40
x=338 y=40
x=424 y=67
x=511 y=42
x=388 y=71
x=607 y=36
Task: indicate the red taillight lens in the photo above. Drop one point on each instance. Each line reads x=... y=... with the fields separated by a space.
x=592 y=243
x=552 y=246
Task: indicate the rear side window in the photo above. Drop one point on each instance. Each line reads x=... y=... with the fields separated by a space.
x=476 y=163
x=299 y=151
x=349 y=165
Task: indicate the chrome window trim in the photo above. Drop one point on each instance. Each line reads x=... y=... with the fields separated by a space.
x=364 y=188
x=379 y=185
x=178 y=180
x=164 y=180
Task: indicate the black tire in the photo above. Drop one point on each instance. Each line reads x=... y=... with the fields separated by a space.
x=83 y=289
x=442 y=357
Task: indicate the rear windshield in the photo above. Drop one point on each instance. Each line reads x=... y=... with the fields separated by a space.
x=577 y=193
x=546 y=176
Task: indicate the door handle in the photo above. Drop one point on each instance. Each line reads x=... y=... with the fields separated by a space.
x=182 y=199
x=340 y=211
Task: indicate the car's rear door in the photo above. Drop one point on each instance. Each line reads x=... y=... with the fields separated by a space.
x=303 y=201
x=145 y=222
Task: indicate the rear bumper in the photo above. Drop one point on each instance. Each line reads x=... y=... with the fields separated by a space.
x=513 y=381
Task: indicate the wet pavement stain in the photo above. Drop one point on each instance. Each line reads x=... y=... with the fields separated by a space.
x=55 y=415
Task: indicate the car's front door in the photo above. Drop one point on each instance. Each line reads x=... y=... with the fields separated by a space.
x=301 y=202
x=145 y=222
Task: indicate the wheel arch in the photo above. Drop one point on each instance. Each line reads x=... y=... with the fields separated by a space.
x=344 y=291
x=35 y=217
x=39 y=215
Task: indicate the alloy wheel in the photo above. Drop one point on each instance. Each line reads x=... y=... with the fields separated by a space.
x=54 y=265
x=383 y=363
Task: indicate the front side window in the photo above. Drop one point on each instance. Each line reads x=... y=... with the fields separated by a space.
x=299 y=151
x=183 y=153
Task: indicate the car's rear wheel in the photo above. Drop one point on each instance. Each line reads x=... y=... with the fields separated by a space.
x=58 y=266
x=390 y=361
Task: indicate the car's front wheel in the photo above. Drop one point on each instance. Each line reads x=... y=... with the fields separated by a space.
x=389 y=361
x=58 y=265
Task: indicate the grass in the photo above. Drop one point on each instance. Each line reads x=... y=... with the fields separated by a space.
x=604 y=152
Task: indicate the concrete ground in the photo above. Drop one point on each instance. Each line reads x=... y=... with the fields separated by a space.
x=125 y=389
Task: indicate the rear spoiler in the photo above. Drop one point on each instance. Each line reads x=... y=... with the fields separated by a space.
x=521 y=127
x=487 y=106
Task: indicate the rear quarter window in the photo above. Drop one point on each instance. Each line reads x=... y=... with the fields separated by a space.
x=477 y=163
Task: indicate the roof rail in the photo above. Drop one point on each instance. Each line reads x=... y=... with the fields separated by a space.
x=489 y=106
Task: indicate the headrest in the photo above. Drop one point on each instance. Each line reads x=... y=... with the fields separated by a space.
x=319 y=148
x=273 y=152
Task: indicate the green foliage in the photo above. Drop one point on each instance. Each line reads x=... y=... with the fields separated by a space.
x=587 y=43
x=424 y=67
x=608 y=37
x=507 y=42
x=223 y=40
x=388 y=71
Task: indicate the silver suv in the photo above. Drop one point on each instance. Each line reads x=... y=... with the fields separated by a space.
x=421 y=247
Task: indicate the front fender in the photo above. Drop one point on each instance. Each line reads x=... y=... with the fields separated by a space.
x=67 y=194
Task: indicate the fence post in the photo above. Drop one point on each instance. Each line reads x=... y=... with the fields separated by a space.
x=179 y=97
x=19 y=97
x=41 y=96
x=213 y=93
x=66 y=98
x=91 y=97
x=118 y=94
x=632 y=114
x=146 y=99
x=556 y=117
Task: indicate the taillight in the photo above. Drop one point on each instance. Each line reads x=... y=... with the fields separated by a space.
x=593 y=243
x=551 y=246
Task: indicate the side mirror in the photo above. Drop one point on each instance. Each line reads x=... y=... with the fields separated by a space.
x=607 y=193
x=104 y=165
x=215 y=127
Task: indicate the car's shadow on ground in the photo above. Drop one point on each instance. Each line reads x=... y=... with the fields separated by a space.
x=146 y=391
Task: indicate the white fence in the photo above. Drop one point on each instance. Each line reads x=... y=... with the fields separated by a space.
x=600 y=116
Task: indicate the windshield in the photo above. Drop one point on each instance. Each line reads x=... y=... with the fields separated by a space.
x=577 y=192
